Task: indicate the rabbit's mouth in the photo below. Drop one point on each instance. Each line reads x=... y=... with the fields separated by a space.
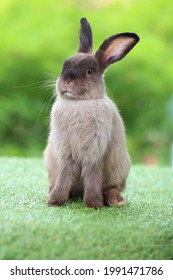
x=68 y=94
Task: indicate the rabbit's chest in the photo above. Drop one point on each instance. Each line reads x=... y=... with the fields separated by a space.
x=82 y=129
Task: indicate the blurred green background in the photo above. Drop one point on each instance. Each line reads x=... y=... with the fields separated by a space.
x=37 y=36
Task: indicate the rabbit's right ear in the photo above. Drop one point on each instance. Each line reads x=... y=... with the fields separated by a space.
x=85 y=37
x=115 y=48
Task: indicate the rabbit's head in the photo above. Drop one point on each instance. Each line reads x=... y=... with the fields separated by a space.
x=82 y=74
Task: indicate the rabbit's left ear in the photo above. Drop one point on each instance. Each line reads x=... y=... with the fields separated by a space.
x=85 y=37
x=115 y=48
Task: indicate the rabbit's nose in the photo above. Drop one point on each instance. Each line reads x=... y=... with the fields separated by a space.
x=66 y=83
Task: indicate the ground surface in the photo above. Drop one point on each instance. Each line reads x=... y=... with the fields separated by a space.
x=29 y=229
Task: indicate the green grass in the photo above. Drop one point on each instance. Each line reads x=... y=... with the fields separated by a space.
x=29 y=229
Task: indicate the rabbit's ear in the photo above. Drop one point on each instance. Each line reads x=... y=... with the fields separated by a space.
x=115 y=48
x=85 y=37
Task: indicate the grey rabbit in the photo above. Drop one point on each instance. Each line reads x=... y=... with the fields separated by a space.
x=86 y=152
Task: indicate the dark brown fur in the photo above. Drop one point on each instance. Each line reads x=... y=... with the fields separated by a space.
x=112 y=197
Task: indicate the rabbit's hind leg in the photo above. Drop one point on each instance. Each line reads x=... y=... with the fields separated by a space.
x=112 y=197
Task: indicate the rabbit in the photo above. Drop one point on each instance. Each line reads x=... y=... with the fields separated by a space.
x=86 y=152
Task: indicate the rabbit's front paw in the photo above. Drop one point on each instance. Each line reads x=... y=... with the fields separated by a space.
x=93 y=202
x=57 y=198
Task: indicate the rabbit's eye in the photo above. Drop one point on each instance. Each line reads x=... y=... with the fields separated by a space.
x=90 y=71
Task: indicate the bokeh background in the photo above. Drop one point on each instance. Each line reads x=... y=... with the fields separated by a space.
x=37 y=36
